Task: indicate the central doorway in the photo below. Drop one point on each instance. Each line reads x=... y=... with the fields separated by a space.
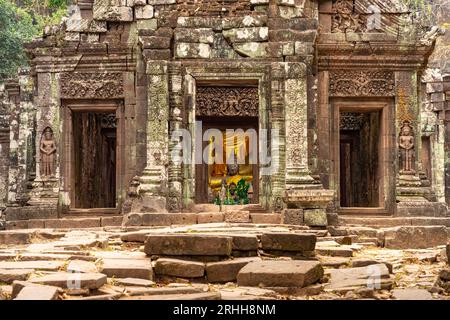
x=94 y=159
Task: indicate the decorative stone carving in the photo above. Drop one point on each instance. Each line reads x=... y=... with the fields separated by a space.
x=108 y=121
x=362 y=83
x=406 y=144
x=227 y=101
x=48 y=153
x=351 y=121
x=92 y=85
x=345 y=18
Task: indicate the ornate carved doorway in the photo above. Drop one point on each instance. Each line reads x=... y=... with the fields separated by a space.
x=229 y=116
x=92 y=155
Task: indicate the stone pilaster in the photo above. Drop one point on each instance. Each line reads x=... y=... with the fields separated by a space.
x=153 y=187
x=302 y=190
x=410 y=192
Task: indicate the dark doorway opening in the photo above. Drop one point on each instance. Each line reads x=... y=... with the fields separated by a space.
x=95 y=141
x=359 y=159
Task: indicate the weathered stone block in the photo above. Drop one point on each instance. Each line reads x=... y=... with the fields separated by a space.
x=244 y=242
x=292 y=216
x=237 y=216
x=244 y=22
x=252 y=49
x=143 y=12
x=68 y=279
x=255 y=34
x=226 y=271
x=200 y=35
x=192 y=50
x=10 y=275
x=151 y=24
x=86 y=25
x=38 y=293
x=210 y=217
x=415 y=237
x=188 y=245
x=157 y=54
x=276 y=273
x=103 y=10
x=153 y=2
x=152 y=42
x=127 y=268
x=315 y=217
x=179 y=268
x=266 y=218
x=200 y=22
x=288 y=241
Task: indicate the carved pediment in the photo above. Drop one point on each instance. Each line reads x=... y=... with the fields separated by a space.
x=82 y=85
x=362 y=83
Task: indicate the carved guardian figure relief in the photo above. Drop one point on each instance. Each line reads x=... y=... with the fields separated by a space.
x=48 y=153
x=406 y=144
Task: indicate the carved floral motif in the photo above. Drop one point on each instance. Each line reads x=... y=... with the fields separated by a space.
x=351 y=121
x=227 y=101
x=92 y=85
x=362 y=83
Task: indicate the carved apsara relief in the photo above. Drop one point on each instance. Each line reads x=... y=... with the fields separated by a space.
x=362 y=83
x=227 y=101
x=406 y=145
x=92 y=85
x=48 y=153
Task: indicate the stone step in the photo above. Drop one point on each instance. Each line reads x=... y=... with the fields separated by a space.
x=66 y=223
x=383 y=221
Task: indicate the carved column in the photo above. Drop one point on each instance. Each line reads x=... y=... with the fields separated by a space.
x=175 y=177
x=153 y=188
x=302 y=190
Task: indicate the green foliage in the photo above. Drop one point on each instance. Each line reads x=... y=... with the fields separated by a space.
x=16 y=27
x=19 y=25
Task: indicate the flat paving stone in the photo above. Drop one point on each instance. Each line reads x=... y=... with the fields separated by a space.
x=411 y=294
x=226 y=271
x=415 y=237
x=334 y=251
x=375 y=276
x=38 y=293
x=179 y=268
x=10 y=275
x=288 y=241
x=37 y=265
x=72 y=280
x=186 y=244
x=81 y=266
x=280 y=273
x=127 y=268
x=135 y=282
x=30 y=256
x=183 y=296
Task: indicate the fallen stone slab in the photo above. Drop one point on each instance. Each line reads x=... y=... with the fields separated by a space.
x=280 y=273
x=119 y=255
x=10 y=275
x=184 y=244
x=38 y=293
x=334 y=251
x=244 y=242
x=183 y=296
x=333 y=262
x=226 y=271
x=18 y=285
x=31 y=256
x=135 y=282
x=179 y=268
x=136 y=236
x=414 y=237
x=145 y=291
x=288 y=241
x=348 y=279
x=72 y=280
x=81 y=266
x=367 y=262
x=411 y=294
x=17 y=236
x=127 y=268
x=37 y=265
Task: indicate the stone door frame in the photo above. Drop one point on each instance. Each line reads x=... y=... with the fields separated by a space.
x=210 y=74
x=67 y=159
x=386 y=146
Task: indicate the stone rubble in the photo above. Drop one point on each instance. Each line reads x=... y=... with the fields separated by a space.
x=206 y=262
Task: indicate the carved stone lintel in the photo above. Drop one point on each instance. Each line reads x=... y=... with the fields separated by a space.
x=92 y=85
x=362 y=83
x=227 y=101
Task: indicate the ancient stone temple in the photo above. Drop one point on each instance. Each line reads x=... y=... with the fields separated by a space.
x=319 y=104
